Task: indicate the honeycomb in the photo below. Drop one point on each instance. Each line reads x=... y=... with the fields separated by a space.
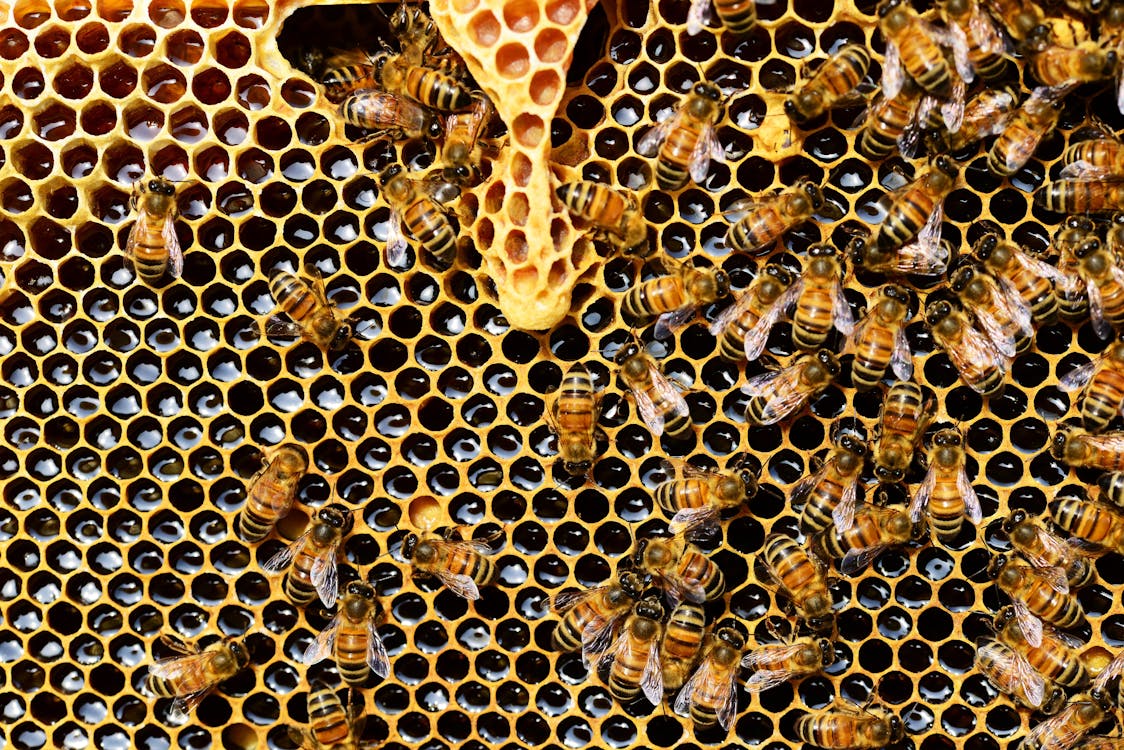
x=134 y=416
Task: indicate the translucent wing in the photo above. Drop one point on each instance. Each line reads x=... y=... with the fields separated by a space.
x=1112 y=669
x=910 y=138
x=284 y=558
x=755 y=340
x=596 y=637
x=651 y=416
x=1038 y=267
x=651 y=682
x=651 y=140
x=669 y=322
x=136 y=234
x=971 y=499
x=697 y=16
x=325 y=576
x=1029 y=681
x=1056 y=733
x=1087 y=171
x=1056 y=577
x=1120 y=92
x=567 y=600
x=952 y=110
x=768 y=678
x=395 y=241
x=705 y=149
x=781 y=392
x=1096 y=310
x=458 y=583
x=183 y=705
x=727 y=700
x=771 y=653
x=857 y=559
x=893 y=75
x=1001 y=338
x=924 y=493
x=800 y=491
x=901 y=360
x=324 y=645
x=377 y=658
x=975 y=347
x=958 y=41
x=176 y=668
x=1028 y=623
x=172 y=242
x=689 y=518
x=619 y=647
x=925 y=255
x=983 y=29
x=841 y=311
x=844 y=513
x=278 y=327
x=1054 y=549
x=1017 y=157
x=686 y=696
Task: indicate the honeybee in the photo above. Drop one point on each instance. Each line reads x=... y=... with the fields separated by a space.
x=1076 y=719
x=778 y=393
x=1063 y=65
x=462 y=566
x=674 y=298
x=1073 y=301
x=985 y=114
x=1019 y=17
x=946 y=490
x=332 y=727
x=709 y=697
x=831 y=493
x=429 y=86
x=636 y=654
x=855 y=729
x=927 y=256
x=1055 y=659
x=192 y=674
x=776 y=664
x=1104 y=282
x=589 y=617
x=1021 y=274
x=352 y=637
x=573 y=418
x=913 y=46
x=1034 y=597
x=833 y=81
x=1053 y=557
x=271 y=493
x=1078 y=448
x=1002 y=315
x=743 y=328
x=891 y=123
x=313 y=557
x=1102 y=384
x=982 y=42
x=801 y=577
x=662 y=407
x=901 y=423
x=1111 y=488
x=1081 y=196
x=768 y=217
x=1094 y=159
x=681 y=570
x=314 y=318
x=346 y=72
x=738 y=16
x=1012 y=674
x=879 y=342
x=1100 y=526
x=681 y=644
x=153 y=246
x=1025 y=129
x=874 y=529
x=417 y=205
x=916 y=209
x=415 y=31
x=462 y=150
x=611 y=212
x=391 y=115
x=687 y=140
x=820 y=304
x=694 y=496
x=980 y=364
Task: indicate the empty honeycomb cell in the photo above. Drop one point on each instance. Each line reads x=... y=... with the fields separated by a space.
x=483 y=27
x=15 y=195
x=137 y=40
x=250 y=14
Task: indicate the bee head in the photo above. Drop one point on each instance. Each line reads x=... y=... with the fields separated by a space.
x=815 y=195
x=937 y=311
x=897 y=729
x=985 y=246
x=792 y=112
x=1087 y=248
x=730 y=636
x=821 y=250
x=1037 y=39
x=1101 y=697
x=895 y=292
x=707 y=90
x=946 y=166
x=829 y=362
x=240 y=653
x=342 y=336
x=1096 y=6
x=1080 y=223
x=1014 y=520
x=1115 y=15
x=361 y=589
x=721 y=283
x=995 y=566
x=390 y=173
x=961 y=278
x=650 y=607
x=576 y=468
x=337 y=516
x=948 y=437
x=632 y=584
x=780 y=273
x=827 y=652
x=821 y=623
x=851 y=444
x=626 y=352
x=1003 y=616
x=1060 y=441
x=641 y=549
x=409 y=544
x=886 y=6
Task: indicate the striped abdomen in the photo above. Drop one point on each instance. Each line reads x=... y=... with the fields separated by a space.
x=651 y=298
x=435 y=89
x=433 y=230
x=675 y=155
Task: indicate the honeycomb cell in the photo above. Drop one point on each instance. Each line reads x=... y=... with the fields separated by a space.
x=52 y=42
x=165 y=84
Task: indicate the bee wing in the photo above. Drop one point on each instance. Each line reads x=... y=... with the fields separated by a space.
x=728 y=700
x=651 y=140
x=322 y=647
x=284 y=558
x=377 y=658
x=648 y=412
x=687 y=695
x=1037 y=267
x=671 y=321
x=706 y=148
x=620 y=646
x=1120 y=92
x=596 y=636
x=1057 y=732
x=976 y=347
x=395 y=241
x=1017 y=157
x=857 y=559
x=1086 y=171
x=731 y=313
x=651 y=682
x=910 y=138
x=841 y=311
x=924 y=492
x=800 y=491
x=768 y=678
x=567 y=600
x=1007 y=660
x=1078 y=378
x=925 y=255
x=1054 y=547
x=459 y=584
x=739 y=208
x=325 y=575
x=1028 y=623
x=756 y=338
x=1001 y=338
x=176 y=644
x=901 y=359
x=952 y=110
x=955 y=38
x=781 y=391
x=1112 y=669
x=893 y=75
x=697 y=16
x=278 y=327
x=773 y=652
x=971 y=500
x=691 y=518
x=844 y=513
x=136 y=234
x=172 y=242
x=1096 y=310
x=175 y=668
x=1056 y=577
x=183 y=705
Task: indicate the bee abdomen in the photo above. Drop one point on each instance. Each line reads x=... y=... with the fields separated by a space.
x=351 y=659
x=738 y=16
x=437 y=90
x=433 y=230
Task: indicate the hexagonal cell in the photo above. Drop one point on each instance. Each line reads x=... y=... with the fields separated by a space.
x=136 y=40
x=163 y=83
x=52 y=42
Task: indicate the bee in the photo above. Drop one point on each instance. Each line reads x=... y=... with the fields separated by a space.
x=850 y=730
x=1055 y=64
x=892 y=122
x=1013 y=675
x=391 y=115
x=902 y=421
x=153 y=246
x=710 y=697
x=1111 y=488
x=463 y=566
x=1034 y=597
x=429 y=86
x=985 y=114
x=681 y=570
x=738 y=16
x=1021 y=274
x=674 y=298
x=271 y=493
x=879 y=342
x=573 y=417
x=743 y=328
x=1053 y=557
x=946 y=490
x=778 y=393
x=1025 y=129
x=820 y=303
x=415 y=31
x=836 y=78
x=1104 y=282
x=1100 y=526
x=830 y=494
x=776 y=664
x=874 y=530
x=314 y=318
x=332 y=727
x=687 y=140
x=352 y=637
x=913 y=46
x=192 y=673
x=612 y=212
x=1019 y=17
x=346 y=72
x=417 y=205
x=1073 y=301
x=636 y=654
x=682 y=641
x=661 y=405
x=980 y=364
x=1055 y=659
x=1081 y=196
x=916 y=209
x=589 y=617
x=1002 y=315
x=801 y=577
x=462 y=150
x=697 y=496
x=1094 y=159
x=1078 y=448
x=1076 y=719
x=927 y=256
x=982 y=42
x=768 y=217
x=1102 y=384
x=312 y=557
